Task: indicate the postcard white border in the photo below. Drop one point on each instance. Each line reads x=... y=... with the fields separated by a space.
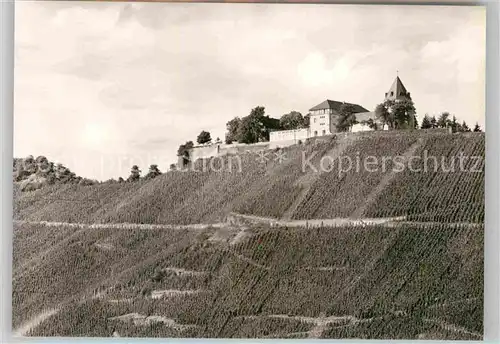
x=492 y=190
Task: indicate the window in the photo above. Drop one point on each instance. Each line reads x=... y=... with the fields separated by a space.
x=315 y=120
x=392 y=94
x=324 y=132
x=315 y=133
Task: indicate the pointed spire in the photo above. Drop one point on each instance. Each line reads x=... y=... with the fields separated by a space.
x=397 y=90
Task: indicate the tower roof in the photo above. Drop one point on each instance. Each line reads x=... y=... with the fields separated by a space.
x=397 y=90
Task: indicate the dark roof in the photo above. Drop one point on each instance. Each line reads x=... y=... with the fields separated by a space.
x=335 y=105
x=397 y=89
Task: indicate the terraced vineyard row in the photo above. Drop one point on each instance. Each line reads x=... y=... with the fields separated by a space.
x=452 y=193
x=275 y=283
x=338 y=193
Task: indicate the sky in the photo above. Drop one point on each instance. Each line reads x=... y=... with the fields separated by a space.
x=100 y=87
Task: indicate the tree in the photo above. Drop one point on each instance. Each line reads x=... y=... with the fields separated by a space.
x=252 y=128
x=384 y=113
x=232 y=128
x=415 y=122
x=434 y=122
x=292 y=120
x=464 y=127
x=217 y=140
x=183 y=151
x=477 y=128
x=30 y=165
x=63 y=174
x=346 y=118
x=135 y=174
x=51 y=178
x=43 y=165
x=443 y=120
x=20 y=172
x=121 y=180
x=371 y=124
x=426 y=122
x=173 y=167
x=403 y=112
x=269 y=124
x=153 y=172
x=307 y=120
x=204 y=137
x=397 y=114
x=455 y=126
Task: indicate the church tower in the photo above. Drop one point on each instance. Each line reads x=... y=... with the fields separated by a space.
x=397 y=91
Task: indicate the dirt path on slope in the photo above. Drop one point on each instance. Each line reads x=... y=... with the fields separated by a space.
x=392 y=222
x=82 y=296
x=308 y=180
x=386 y=180
x=320 y=323
x=194 y=226
x=29 y=325
x=336 y=222
x=453 y=328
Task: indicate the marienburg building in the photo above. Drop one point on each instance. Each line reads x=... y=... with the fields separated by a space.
x=324 y=117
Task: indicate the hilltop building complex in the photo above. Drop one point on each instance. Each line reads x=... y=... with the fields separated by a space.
x=323 y=120
x=324 y=117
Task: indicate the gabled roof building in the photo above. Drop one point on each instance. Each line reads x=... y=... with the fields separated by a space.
x=323 y=117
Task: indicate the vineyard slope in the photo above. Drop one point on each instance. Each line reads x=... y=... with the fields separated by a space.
x=282 y=184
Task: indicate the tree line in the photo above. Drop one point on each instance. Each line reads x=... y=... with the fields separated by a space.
x=444 y=121
x=35 y=173
x=401 y=114
x=52 y=173
x=256 y=127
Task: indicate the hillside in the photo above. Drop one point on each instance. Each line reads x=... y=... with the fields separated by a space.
x=414 y=281
x=292 y=245
x=283 y=189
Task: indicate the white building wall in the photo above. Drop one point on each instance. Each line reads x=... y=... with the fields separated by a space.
x=289 y=135
x=360 y=127
x=320 y=123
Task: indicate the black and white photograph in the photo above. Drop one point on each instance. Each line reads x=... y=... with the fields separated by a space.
x=248 y=170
